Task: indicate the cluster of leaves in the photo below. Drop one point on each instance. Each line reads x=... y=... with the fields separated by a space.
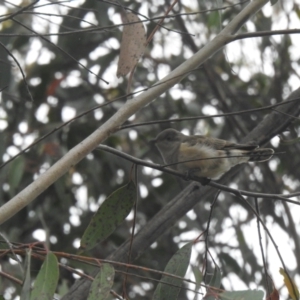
x=68 y=51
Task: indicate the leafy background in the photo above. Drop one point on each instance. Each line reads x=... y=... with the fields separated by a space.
x=49 y=40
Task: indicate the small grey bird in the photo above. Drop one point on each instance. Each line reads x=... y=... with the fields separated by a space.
x=204 y=156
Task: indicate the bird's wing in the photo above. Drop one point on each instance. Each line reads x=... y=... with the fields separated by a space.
x=230 y=145
x=217 y=144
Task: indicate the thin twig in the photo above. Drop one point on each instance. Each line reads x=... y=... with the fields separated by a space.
x=20 y=68
x=150 y=37
x=262 y=248
x=207 y=232
x=264 y=33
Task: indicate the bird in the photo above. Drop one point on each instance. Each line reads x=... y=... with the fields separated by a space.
x=204 y=156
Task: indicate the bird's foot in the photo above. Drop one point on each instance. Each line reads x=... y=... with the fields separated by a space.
x=205 y=180
x=190 y=172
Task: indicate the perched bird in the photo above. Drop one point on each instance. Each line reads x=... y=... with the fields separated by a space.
x=204 y=156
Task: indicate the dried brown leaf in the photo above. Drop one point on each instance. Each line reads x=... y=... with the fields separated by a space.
x=274 y=295
x=132 y=46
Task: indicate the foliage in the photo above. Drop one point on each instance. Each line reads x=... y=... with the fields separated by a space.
x=68 y=51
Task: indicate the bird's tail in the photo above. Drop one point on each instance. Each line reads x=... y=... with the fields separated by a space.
x=260 y=154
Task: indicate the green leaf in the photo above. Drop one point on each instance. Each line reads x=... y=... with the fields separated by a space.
x=169 y=287
x=63 y=287
x=214 y=20
x=102 y=283
x=214 y=282
x=230 y=262
x=16 y=171
x=198 y=277
x=242 y=295
x=46 y=280
x=219 y=5
x=110 y=214
x=216 y=279
x=25 y=293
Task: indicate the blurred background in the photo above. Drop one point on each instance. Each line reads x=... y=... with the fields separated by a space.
x=51 y=41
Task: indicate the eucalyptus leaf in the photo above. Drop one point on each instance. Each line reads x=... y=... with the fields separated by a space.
x=109 y=216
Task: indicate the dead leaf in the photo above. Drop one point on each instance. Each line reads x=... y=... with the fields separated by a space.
x=132 y=46
x=290 y=284
x=274 y=295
